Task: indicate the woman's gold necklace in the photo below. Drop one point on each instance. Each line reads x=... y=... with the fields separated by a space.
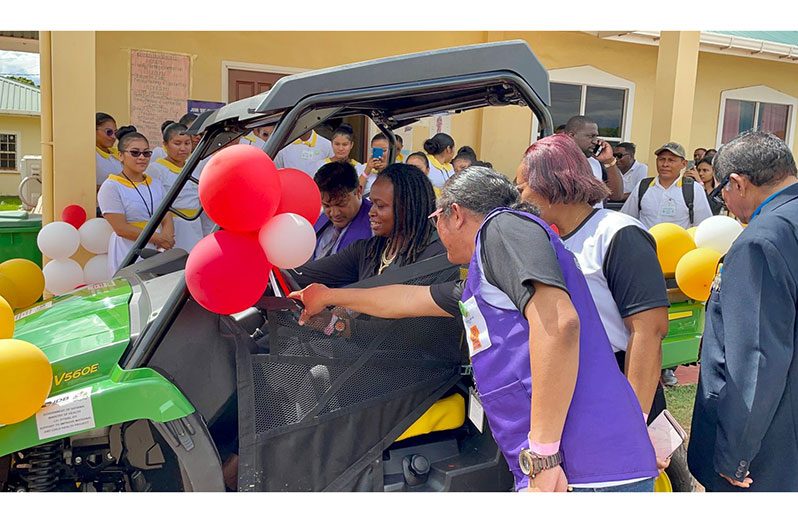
x=385 y=260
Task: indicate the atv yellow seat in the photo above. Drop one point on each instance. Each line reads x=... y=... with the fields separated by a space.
x=445 y=414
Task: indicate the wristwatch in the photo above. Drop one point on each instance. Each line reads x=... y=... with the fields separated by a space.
x=613 y=162
x=533 y=464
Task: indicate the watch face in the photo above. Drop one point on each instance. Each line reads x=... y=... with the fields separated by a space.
x=524 y=462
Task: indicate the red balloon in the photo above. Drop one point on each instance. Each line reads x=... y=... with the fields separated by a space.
x=300 y=195
x=74 y=215
x=227 y=271
x=240 y=188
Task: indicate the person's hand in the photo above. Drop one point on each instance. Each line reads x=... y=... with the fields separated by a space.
x=745 y=483
x=369 y=166
x=692 y=173
x=605 y=154
x=662 y=464
x=162 y=242
x=379 y=163
x=549 y=480
x=313 y=298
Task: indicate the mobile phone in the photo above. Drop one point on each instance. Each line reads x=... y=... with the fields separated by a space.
x=597 y=149
x=666 y=435
x=690 y=164
x=377 y=153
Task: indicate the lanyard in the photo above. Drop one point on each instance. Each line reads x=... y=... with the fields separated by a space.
x=149 y=209
x=767 y=200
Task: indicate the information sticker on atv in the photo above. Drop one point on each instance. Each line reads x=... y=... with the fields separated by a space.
x=66 y=413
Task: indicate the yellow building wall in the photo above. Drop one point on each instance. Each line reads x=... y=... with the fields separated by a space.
x=717 y=73
x=29 y=131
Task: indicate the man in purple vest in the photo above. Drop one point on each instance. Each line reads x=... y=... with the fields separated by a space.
x=529 y=318
x=346 y=213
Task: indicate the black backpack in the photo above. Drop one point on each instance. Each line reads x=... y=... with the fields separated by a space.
x=687 y=193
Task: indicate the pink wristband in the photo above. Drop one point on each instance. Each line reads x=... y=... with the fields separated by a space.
x=544 y=449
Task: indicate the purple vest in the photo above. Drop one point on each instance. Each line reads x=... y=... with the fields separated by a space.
x=605 y=437
x=359 y=228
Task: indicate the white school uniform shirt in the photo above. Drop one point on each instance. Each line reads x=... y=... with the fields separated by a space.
x=251 y=139
x=107 y=163
x=595 y=166
x=157 y=154
x=205 y=221
x=304 y=155
x=632 y=177
x=118 y=196
x=187 y=233
x=439 y=172
x=661 y=205
x=590 y=244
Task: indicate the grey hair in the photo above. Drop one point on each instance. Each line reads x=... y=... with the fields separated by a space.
x=763 y=157
x=481 y=190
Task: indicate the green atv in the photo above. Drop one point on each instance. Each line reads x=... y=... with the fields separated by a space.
x=151 y=392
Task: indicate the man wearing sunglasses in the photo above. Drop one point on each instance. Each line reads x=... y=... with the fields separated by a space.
x=632 y=171
x=745 y=423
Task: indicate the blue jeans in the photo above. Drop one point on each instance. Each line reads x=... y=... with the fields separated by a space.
x=646 y=485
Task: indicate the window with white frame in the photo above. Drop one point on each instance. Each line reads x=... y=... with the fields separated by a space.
x=586 y=90
x=756 y=108
x=9 y=143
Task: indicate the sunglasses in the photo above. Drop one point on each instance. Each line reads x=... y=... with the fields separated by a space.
x=109 y=132
x=716 y=194
x=434 y=216
x=135 y=154
x=619 y=155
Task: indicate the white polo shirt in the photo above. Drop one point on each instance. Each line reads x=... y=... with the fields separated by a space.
x=304 y=155
x=595 y=165
x=632 y=177
x=661 y=205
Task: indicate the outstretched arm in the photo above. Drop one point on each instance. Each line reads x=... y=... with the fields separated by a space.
x=391 y=301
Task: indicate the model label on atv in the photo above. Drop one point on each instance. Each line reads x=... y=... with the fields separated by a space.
x=65 y=414
x=66 y=377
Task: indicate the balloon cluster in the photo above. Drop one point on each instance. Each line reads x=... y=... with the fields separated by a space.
x=61 y=239
x=25 y=372
x=692 y=255
x=21 y=283
x=265 y=214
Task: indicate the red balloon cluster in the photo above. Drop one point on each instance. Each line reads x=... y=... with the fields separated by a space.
x=241 y=190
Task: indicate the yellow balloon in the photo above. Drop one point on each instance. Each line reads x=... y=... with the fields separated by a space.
x=8 y=290
x=691 y=232
x=25 y=380
x=28 y=278
x=696 y=271
x=673 y=242
x=6 y=319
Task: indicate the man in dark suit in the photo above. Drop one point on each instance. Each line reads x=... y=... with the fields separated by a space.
x=745 y=423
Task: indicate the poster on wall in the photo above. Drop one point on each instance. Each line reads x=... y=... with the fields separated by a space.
x=200 y=106
x=159 y=89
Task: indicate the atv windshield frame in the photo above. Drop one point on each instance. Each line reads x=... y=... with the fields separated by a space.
x=393 y=92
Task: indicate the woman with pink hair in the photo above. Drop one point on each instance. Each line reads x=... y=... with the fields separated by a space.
x=615 y=253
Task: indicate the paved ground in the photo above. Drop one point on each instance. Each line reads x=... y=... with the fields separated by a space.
x=687 y=374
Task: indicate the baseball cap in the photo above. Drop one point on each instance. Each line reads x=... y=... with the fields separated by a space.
x=675 y=148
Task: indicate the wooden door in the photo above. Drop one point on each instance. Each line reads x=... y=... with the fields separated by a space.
x=243 y=84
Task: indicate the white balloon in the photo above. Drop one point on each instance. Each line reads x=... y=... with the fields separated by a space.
x=62 y=276
x=96 y=270
x=95 y=234
x=58 y=240
x=288 y=240
x=718 y=233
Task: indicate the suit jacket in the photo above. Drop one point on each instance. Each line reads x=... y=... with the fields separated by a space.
x=359 y=227
x=746 y=411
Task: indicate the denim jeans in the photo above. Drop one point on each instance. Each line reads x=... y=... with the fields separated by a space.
x=646 y=485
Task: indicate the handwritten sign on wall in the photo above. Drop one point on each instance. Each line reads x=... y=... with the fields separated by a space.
x=159 y=89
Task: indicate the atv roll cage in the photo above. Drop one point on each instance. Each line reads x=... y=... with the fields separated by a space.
x=393 y=92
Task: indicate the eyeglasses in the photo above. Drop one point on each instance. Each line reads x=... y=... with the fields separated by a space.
x=434 y=216
x=108 y=132
x=135 y=154
x=716 y=194
x=619 y=155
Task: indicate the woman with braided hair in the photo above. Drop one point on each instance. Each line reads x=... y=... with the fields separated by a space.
x=402 y=199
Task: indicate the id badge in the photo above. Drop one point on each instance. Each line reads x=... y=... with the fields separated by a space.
x=668 y=208
x=476 y=327
x=475 y=411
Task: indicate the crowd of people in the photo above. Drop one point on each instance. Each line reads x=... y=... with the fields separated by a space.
x=560 y=291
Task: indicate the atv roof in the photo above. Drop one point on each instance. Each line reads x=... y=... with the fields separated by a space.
x=401 y=89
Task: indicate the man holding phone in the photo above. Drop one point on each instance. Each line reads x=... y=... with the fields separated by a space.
x=584 y=132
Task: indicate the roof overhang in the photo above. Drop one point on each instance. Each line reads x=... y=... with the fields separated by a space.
x=20 y=41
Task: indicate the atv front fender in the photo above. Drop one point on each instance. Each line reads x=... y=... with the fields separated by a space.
x=124 y=395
